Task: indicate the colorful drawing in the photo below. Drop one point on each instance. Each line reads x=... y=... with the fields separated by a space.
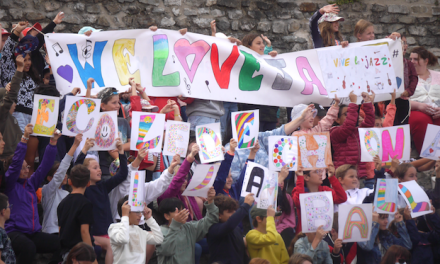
x=362 y=224
x=381 y=204
x=315 y=213
x=302 y=63
x=283 y=144
x=43 y=117
x=314 y=150
x=145 y=123
x=388 y=152
x=73 y=112
x=120 y=51
x=268 y=192
x=212 y=153
x=246 y=80
x=222 y=75
x=206 y=180
x=160 y=57
x=242 y=121
x=431 y=143
x=183 y=49
x=135 y=201
x=66 y=72
x=284 y=81
x=368 y=136
x=175 y=142
x=105 y=132
x=416 y=207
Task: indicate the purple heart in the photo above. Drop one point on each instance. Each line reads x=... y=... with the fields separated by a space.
x=66 y=72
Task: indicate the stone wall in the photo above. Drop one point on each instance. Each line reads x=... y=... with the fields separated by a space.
x=285 y=22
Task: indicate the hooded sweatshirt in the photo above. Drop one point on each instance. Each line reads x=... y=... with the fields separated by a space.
x=208 y=108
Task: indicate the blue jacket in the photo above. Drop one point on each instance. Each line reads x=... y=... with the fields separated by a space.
x=222 y=174
x=369 y=252
x=423 y=243
x=21 y=192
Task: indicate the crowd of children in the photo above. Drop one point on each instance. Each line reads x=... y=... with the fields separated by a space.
x=73 y=202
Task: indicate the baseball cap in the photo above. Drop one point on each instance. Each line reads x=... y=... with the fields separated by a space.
x=261 y=212
x=85 y=29
x=5 y=32
x=36 y=26
x=330 y=17
x=147 y=106
x=298 y=109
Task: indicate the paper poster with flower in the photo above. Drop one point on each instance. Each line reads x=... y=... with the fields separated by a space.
x=45 y=115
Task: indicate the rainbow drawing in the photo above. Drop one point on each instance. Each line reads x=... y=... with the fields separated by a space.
x=160 y=57
x=416 y=207
x=145 y=123
x=240 y=125
x=362 y=225
x=134 y=200
x=73 y=112
x=206 y=180
x=209 y=154
x=368 y=136
x=381 y=204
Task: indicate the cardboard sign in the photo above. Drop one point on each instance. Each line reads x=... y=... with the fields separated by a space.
x=147 y=131
x=316 y=210
x=269 y=192
x=385 y=199
x=80 y=115
x=105 y=131
x=136 y=195
x=314 y=150
x=431 y=143
x=355 y=222
x=283 y=150
x=203 y=179
x=176 y=138
x=245 y=128
x=254 y=179
x=209 y=139
x=416 y=198
x=45 y=115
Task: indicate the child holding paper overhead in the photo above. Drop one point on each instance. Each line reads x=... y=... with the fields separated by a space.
x=312 y=244
x=372 y=251
x=345 y=137
x=310 y=181
x=340 y=252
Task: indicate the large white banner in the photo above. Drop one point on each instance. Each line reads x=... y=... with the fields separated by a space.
x=200 y=66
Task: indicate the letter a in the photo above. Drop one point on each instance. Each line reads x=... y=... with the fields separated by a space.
x=303 y=64
x=256 y=172
x=362 y=225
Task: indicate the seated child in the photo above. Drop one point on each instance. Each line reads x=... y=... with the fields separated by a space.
x=181 y=236
x=128 y=240
x=312 y=244
x=225 y=239
x=75 y=212
x=340 y=252
x=264 y=241
x=6 y=252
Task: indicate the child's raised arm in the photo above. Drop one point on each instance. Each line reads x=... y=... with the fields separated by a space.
x=202 y=226
x=254 y=150
x=119 y=233
x=225 y=166
x=260 y=240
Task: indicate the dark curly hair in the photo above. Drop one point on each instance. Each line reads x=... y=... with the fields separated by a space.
x=225 y=203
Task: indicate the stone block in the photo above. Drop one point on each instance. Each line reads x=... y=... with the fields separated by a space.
x=182 y=22
x=279 y=27
x=394 y=28
x=133 y=10
x=202 y=22
x=346 y=28
x=435 y=30
x=229 y=3
x=263 y=5
x=269 y=14
x=298 y=14
x=217 y=13
x=211 y=2
x=190 y=12
x=203 y=11
x=378 y=8
x=234 y=25
x=72 y=19
x=359 y=7
x=150 y=2
x=80 y=7
x=411 y=41
x=256 y=14
x=294 y=26
x=432 y=42
x=245 y=3
x=235 y=14
x=398 y=9
x=294 y=39
x=263 y=26
x=388 y=19
x=89 y=19
x=176 y=11
x=113 y=8
x=93 y=9
x=2 y=15
x=407 y=19
x=283 y=14
x=308 y=7
x=412 y=1
x=419 y=9
x=223 y=24
x=51 y=6
x=287 y=3
x=167 y=22
x=417 y=30
x=247 y=25
x=172 y=2
x=16 y=13
x=159 y=10
x=431 y=2
x=102 y=21
x=436 y=11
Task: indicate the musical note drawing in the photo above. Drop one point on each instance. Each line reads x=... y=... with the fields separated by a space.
x=173 y=59
x=86 y=50
x=207 y=85
x=343 y=83
x=188 y=87
x=389 y=81
x=57 y=48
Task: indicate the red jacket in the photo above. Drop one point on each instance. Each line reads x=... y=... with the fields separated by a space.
x=412 y=77
x=161 y=102
x=345 y=138
x=338 y=193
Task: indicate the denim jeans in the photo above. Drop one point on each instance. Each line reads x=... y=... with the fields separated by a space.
x=201 y=120
x=22 y=119
x=226 y=118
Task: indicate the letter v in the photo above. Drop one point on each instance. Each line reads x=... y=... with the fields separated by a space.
x=223 y=74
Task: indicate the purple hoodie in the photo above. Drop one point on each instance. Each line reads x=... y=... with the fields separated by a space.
x=21 y=192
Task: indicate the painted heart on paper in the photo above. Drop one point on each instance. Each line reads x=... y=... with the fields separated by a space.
x=66 y=72
x=183 y=49
x=399 y=81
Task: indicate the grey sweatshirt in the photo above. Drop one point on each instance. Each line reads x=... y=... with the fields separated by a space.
x=52 y=195
x=208 y=108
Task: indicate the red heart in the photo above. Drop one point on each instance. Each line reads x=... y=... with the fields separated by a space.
x=431 y=150
x=390 y=65
x=353 y=83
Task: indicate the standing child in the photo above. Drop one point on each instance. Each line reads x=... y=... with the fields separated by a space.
x=75 y=212
x=264 y=241
x=225 y=239
x=324 y=27
x=181 y=236
x=128 y=240
x=7 y=254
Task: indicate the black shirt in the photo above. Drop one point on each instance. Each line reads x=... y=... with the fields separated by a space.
x=75 y=210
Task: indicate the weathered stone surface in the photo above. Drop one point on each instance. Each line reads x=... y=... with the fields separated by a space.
x=223 y=24
x=256 y=14
x=2 y=15
x=417 y=30
x=172 y=2
x=16 y=13
x=133 y=10
x=102 y=21
x=407 y=19
x=217 y=13
x=202 y=22
x=399 y=9
x=263 y=5
x=435 y=51
x=284 y=14
x=72 y=19
x=229 y=3
x=279 y=27
x=264 y=26
x=176 y=11
x=395 y=28
x=308 y=7
x=411 y=41
x=82 y=6
x=167 y=22
x=294 y=26
x=436 y=11
x=51 y=6
x=247 y=25
x=378 y=8
x=211 y=2
x=190 y=12
x=245 y=3
x=235 y=14
x=93 y=9
x=234 y=25
x=113 y=8
x=419 y=9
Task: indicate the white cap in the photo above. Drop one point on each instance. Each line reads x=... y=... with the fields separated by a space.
x=297 y=111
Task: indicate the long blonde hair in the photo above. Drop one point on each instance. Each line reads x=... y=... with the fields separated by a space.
x=327 y=34
x=361 y=26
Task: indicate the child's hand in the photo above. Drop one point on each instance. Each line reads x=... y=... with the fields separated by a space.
x=213 y=28
x=56 y=135
x=249 y=199
x=194 y=150
x=125 y=209
x=28 y=130
x=366 y=97
x=331 y=170
x=153 y=28
x=183 y=31
x=20 y=62
x=76 y=91
x=270 y=211
x=267 y=40
x=211 y=194
x=308 y=112
x=120 y=146
x=142 y=153
x=174 y=163
x=282 y=175
x=372 y=96
x=181 y=216
x=90 y=82
x=78 y=139
x=344 y=44
x=353 y=97
x=407 y=213
x=232 y=145
x=377 y=163
x=337 y=101
x=375 y=216
x=337 y=247
x=256 y=147
x=320 y=233
x=147 y=212
x=398 y=217
x=393 y=96
x=300 y=171
x=394 y=163
x=90 y=142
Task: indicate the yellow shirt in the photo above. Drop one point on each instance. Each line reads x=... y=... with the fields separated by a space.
x=268 y=246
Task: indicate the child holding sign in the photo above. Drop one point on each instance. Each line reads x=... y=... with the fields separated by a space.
x=310 y=181
x=312 y=244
